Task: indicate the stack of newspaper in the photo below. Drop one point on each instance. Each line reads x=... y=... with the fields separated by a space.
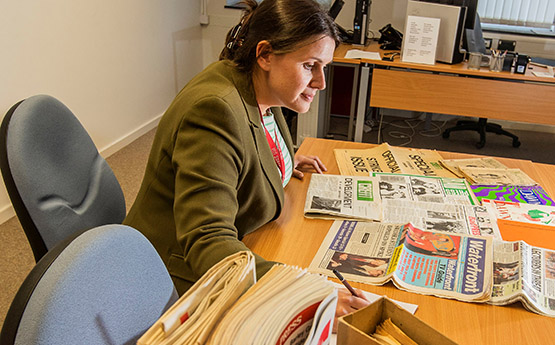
x=227 y=306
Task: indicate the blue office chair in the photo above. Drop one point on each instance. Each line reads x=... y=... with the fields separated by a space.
x=106 y=285
x=56 y=179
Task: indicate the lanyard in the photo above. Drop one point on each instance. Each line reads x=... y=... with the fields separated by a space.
x=274 y=147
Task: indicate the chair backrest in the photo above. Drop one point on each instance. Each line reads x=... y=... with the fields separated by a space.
x=474 y=37
x=107 y=285
x=56 y=179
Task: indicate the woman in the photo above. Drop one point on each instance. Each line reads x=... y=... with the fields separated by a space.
x=222 y=153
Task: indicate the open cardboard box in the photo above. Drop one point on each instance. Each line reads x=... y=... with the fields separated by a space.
x=353 y=329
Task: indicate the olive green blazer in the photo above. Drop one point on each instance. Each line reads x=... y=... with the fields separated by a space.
x=211 y=177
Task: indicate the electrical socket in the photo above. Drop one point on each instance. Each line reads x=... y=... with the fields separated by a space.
x=204 y=19
x=488 y=42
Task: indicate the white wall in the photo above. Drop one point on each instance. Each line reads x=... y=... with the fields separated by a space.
x=116 y=64
x=221 y=21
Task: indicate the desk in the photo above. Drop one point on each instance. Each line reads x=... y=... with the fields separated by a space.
x=447 y=89
x=294 y=240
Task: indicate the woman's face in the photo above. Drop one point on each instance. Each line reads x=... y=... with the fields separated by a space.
x=292 y=79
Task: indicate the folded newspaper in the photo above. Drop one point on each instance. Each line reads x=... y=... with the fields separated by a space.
x=460 y=266
x=369 y=197
x=454 y=165
x=287 y=304
x=428 y=262
x=520 y=212
x=386 y=158
x=338 y=196
x=523 y=194
x=497 y=176
x=524 y=273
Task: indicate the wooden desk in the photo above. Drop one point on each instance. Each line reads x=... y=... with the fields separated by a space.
x=294 y=240
x=447 y=89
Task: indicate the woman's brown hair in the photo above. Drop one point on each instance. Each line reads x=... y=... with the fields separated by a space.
x=285 y=24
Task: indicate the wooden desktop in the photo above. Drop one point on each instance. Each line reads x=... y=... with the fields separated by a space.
x=444 y=88
x=293 y=239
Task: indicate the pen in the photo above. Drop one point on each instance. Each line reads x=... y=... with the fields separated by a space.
x=346 y=283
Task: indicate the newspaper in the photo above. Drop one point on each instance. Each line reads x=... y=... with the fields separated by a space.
x=497 y=176
x=386 y=158
x=226 y=305
x=527 y=213
x=441 y=264
x=526 y=273
x=337 y=196
x=435 y=216
x=454 y=165
x=365 y=198
x=524 y=194
x=425 y=188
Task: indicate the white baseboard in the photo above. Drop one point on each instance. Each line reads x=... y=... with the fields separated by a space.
x=7 y=212
x=128 y=138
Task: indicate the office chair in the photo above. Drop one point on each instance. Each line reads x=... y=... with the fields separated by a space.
x=475 y=43
x=106 y=285
x=56 y=179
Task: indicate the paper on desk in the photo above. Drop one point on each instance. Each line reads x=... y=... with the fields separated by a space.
x=372 y=297
x=361 y=54
x=543 y=74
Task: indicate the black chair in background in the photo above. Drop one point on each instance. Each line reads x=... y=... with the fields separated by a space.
x=475 y=43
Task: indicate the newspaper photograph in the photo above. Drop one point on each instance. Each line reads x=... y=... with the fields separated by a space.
x=347 y=197
x=434 y=216
x=425 y=188
x=526 y=273
x=386 y=158
x=362 y=251
x=442 y=264
x=507 y=272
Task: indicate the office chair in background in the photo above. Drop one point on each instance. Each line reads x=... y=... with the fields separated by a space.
x=56 y=179
x=106 y=285
x=475 y=43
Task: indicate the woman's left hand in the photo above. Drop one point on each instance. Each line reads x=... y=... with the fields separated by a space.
x=307 y=163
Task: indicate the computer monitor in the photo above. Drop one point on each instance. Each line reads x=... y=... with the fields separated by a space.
x=335 y=8
x=471 y=9
x=472 y=39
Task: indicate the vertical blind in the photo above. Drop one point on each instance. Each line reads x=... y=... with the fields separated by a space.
x=534 y=13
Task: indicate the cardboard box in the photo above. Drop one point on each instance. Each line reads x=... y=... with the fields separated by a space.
x=353 y=329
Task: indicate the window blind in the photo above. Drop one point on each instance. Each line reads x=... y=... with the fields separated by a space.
x=534 y=13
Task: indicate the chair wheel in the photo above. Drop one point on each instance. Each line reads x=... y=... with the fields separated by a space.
x=480 y=144
x=516 y=143
x=445 y=134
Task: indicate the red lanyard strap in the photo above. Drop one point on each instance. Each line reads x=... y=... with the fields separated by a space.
x=275 y=148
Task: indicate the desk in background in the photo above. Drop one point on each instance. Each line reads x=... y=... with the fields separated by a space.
x=293 y=239
x=442 y=88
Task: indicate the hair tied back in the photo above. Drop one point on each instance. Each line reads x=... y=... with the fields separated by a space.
x=234 y=37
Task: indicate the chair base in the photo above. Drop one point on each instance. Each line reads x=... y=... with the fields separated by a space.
x=481 y=126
